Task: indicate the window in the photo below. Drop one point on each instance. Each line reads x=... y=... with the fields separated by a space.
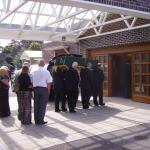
x=141 y=73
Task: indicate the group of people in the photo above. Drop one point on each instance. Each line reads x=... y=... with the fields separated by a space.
x=37 y=81
x=67 y=82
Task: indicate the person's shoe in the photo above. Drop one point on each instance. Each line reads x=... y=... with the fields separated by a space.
x=103 y=104
x=72 y=111
x=85 y=107
x=41 y=123
x=96 y=104
x=57 y=110
x=64 y=110
x=44 y=122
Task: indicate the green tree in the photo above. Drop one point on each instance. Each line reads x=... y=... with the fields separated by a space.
x=35 y=46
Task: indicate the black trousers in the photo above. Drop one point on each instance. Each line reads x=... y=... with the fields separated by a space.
x=85 y=95
x=4 y=103
x=98 y=93
x=72 y=99
x=60 y=97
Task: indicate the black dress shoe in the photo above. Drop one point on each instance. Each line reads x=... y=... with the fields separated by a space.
x=64 y=110
x=44 y=122
x=72 y=111
x=41 y=123
x=102 y=104
x=57 y=110
x=85 y=107
x=96 y=104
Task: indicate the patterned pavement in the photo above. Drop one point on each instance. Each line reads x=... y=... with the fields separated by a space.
x=121 y=125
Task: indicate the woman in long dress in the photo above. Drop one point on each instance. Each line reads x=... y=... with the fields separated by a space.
x=4 y=92
x=24 y=95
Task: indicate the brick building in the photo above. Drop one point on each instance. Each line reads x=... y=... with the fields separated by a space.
x=119 y=49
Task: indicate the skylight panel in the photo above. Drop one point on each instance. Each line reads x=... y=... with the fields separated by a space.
x=42 y=20
x=18 y=19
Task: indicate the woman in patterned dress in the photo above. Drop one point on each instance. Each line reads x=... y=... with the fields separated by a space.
x=4 y=88
x=25 y=94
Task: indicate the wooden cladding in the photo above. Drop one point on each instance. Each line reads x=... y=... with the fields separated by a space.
x=140 y=68
x=141 y=76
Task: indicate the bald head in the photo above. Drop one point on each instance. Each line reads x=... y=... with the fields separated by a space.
x=41 y=63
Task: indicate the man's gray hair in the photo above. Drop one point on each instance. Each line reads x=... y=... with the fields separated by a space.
x=41 y=62
x=74 y=64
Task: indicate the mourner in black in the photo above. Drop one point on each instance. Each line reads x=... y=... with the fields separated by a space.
x=4 y=92
x=71 y=86
x=98 y=78
x=86 y=85
x=50 y=69
x=58 y=80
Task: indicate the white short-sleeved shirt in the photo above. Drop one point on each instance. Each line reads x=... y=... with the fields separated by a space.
x=40 y=77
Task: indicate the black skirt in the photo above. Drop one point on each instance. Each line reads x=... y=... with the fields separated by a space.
x=4 y=103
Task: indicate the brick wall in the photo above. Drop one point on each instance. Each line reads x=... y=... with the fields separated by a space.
x=122 y=38
x=142 y=5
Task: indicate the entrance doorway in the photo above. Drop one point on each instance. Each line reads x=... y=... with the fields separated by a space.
x=121 y=75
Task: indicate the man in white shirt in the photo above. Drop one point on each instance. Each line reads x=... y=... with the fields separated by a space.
x=41 y=80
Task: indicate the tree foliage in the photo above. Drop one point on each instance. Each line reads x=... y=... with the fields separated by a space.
x=10 y=54
x=35 y=46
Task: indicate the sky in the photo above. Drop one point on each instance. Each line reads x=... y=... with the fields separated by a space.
x=4 y=42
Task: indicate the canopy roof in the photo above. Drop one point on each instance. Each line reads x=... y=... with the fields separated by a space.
x=61 y=20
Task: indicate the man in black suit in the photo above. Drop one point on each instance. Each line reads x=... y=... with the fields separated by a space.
x=86 y=85
x=58 y=81
x=98 y=79
x=71 y=86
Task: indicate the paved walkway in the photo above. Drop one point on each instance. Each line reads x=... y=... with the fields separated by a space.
x=121 y=125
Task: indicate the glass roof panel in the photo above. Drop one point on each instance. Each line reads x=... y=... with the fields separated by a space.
x=18 y=19
x=1 y=4
x=42 y=20
x=41 y=17
x=14 y=4
x=26 y=7
x=47 y=9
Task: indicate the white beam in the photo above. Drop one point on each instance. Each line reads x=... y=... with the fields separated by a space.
x=89 y=23
x=58 y=24
x=133 y=22
x=4 y=4
x=8 y=5
x=99 y=7
x=30 y=35
x=105 y=23
x=26 y=18
x=103 y=20
x=37 y=16
x=116 y=31
x=12 y=11
x=63 y=18
x=66 y=50
x=126 y=22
